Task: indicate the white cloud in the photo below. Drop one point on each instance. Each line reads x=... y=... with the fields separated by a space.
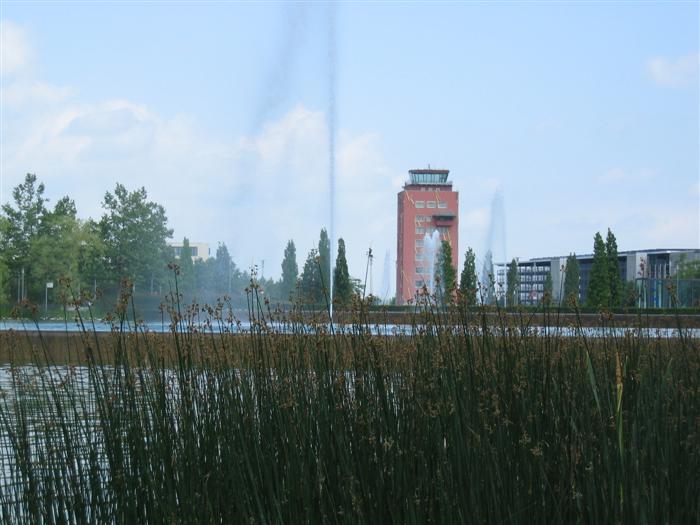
x=674 y=73
x=15 y=49
x=253 y=193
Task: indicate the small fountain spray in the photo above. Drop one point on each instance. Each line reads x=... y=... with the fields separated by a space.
x=431 y=246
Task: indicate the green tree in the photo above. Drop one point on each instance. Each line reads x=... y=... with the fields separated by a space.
x=689 y=269
x=614 y=278
x=56 y=251
x=548 y=289
x=310 y=279
x=187 y=276
x=135 y=232
x=290 y=271
x=467 y=281
x=446 y=272
x=24 y=221
x=598 y=295
x=512 y=283
x=571 y=280
x=324 y=254
x=342 y=287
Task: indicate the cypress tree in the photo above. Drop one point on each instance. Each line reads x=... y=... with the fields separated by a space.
x=571 y=280
x=310 y=279
x=324 y=254
x=614 y=278
x=512 y=283
x=447 y=272
x=186 y=268
x=342 y=288
x=290 y=270
x=598 y=295
x=467 y=281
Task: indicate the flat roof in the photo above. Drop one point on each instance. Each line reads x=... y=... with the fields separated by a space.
x=429 y=171
x=651 y=251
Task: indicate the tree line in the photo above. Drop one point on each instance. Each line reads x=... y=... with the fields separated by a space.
x=42 y=246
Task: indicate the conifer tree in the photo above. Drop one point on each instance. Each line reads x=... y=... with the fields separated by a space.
x=447 y=272
x=616 y=285
x=186 y=264
x=598 y=295
x=571 y=280
x=467 y=282
x=324 y=263
x=290 y=270
x=310 y=279
x=342 y=287
x=512 y=283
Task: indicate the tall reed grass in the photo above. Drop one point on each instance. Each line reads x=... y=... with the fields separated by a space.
x=293 y=421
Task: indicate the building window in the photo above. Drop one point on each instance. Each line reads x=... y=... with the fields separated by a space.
x=419 y=243
x=420 y=204
x=431 y=204
x=420 y=230
x=419 y=283
x=420 y=270
x=442 y=204
x=419 y=257
x=195 y=251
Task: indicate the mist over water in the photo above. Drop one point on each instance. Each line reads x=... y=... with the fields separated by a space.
x=277 y=85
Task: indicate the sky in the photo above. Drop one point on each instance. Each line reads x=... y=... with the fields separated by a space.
x=582 y=116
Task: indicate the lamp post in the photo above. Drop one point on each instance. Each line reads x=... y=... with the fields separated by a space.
x=46 y=296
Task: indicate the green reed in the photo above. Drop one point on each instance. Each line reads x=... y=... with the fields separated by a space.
x=295 y=420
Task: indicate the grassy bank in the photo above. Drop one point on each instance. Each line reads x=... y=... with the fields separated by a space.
x=291 y=423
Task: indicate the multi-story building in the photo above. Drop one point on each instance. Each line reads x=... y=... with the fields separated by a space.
x=652 y=271
x=200 y=250
x=426 y=205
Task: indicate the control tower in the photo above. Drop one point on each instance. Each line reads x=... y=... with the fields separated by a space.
x=426 y=204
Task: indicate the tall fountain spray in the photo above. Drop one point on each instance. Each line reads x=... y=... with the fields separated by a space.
x=331 y=141
x=431 y=245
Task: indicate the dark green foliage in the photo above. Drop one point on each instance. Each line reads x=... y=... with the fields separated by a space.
x=186 y=264
x=311 y=288
x=467 y=281
x=24 y=221
x=450 y=425
x=598 y=295
x=571 y=281
x=446 y=272
x=614 y=278
x=342 y=287
x=512 y=284
x=689 y=269
x=135 y=232
x=290 y=271
x=324 y=262
x=548 y=291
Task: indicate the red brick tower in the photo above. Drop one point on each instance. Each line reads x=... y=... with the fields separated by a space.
x=427 y=203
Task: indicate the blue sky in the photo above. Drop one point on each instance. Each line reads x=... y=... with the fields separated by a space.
x=583 y=115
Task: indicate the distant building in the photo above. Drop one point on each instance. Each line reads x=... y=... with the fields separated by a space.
x=653 y=272
x=426 y=204
x=200 y=250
